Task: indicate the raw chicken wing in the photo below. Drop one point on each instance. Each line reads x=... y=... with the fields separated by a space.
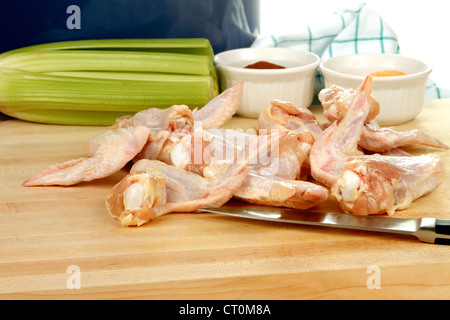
x=283 y=115
x=335 y=101
x=154 y=188
x=270 y=190
x=108 y=153
x=273 y=180
x=377 y=139
x=176 y=117
x=302 y=123
x=170 y=128
x=220 y=109
x=370 y=184
x=377 y=184
x=339 y=141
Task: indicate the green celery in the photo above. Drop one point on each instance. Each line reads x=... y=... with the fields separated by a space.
x=198 y=46
x=72 y=60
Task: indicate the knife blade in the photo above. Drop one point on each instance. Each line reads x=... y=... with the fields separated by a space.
x=428 y=230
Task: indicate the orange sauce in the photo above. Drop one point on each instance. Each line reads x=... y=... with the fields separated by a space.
x=264 y=65
x=387 y=73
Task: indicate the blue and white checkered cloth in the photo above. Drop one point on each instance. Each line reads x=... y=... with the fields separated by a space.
x=360 y=30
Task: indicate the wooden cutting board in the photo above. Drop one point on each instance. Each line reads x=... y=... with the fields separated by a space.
x=60 y=242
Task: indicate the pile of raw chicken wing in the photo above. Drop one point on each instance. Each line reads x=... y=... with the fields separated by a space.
x=182 y=160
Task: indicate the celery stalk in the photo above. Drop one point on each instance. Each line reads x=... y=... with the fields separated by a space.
x=92 y=82
x=142 y=76
x=47 y=98
x=60 y=92
x=70 y=117
x=72 y=60
x=197 y=46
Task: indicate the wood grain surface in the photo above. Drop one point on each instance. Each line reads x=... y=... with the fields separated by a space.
x=47 y=231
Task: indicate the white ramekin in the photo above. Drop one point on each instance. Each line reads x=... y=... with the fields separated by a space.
x=294 y=84
x=401 y=98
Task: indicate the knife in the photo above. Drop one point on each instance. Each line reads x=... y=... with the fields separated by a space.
x=428 y=230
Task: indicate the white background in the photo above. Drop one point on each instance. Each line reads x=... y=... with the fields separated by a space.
x=422 y=26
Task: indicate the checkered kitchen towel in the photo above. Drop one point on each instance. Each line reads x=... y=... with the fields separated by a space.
x=351 y=31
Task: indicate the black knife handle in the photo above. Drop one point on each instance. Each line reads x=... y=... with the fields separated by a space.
x=442 y=229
